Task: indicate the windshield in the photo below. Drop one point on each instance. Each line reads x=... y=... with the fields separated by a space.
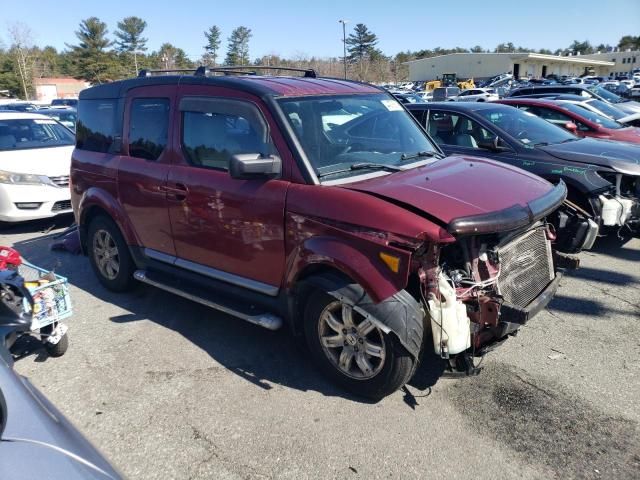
x=592 y=116
x=24 y=133
x=525 y=127
x=606 y=94
x=65 y=117
x=340 y=131
x=606 y=108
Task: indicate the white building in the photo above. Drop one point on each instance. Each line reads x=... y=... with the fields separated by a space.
x=485 y=65
x=623 y=61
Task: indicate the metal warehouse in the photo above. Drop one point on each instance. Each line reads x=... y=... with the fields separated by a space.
x=485 y=65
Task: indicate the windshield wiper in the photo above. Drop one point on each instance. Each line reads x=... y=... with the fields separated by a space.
x=410 y=156
x=363 y=166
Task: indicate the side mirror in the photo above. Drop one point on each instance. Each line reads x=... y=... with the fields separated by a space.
x=247 y=166
x=572 y=127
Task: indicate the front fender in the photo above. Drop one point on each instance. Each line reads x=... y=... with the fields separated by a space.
x=399 y=314
x=359 y=260
x=96 y=198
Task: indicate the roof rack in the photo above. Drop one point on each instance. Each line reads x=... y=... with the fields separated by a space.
x=204 y=71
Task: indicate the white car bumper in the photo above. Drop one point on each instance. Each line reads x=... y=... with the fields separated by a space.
x=30 y=202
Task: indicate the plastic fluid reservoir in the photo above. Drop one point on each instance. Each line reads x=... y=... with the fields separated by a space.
x=449 y=321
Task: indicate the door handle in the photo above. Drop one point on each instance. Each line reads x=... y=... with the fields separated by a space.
x=177 y=192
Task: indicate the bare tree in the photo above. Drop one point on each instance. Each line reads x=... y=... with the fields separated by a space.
x=22 y=50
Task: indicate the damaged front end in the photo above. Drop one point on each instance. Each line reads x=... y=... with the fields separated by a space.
x=502 y=270
x=619 y=208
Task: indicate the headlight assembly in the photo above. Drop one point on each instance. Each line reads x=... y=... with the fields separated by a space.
x=12 y=178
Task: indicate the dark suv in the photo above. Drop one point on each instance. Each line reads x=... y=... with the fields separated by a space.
x=317 y=202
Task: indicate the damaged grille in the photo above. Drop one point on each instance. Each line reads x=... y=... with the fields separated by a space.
x=526 y=267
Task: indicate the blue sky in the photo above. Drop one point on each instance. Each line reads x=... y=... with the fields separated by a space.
x=290 y=27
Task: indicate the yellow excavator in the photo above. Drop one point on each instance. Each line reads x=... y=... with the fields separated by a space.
x=449 y=80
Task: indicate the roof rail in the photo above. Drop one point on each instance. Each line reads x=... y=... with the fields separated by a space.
x=308 y=72
x=148 y=73
x=204 y=71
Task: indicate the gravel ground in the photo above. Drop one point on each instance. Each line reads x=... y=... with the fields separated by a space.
x=169 y=389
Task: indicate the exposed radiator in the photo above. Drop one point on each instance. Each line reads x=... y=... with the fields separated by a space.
x=526 y=267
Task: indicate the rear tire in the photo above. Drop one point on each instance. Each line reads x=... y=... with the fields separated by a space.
x=353 y=352
x=109 y=255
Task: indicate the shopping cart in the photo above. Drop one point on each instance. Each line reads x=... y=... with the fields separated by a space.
x=50 y=303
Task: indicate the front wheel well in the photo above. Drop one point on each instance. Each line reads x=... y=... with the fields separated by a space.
x=303 y=287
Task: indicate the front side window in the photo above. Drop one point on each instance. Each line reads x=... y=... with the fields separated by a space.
x=26 y=133
x=213 y=130
x=148 y=127
x=97 y=126
x=457 y=130
x=374 y=130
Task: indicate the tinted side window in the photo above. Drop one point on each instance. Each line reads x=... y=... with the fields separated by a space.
x=148 y=127
x=98 y=125
x=452 y=129
x=215 y=129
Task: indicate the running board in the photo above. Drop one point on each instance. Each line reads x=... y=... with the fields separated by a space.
x=266 y=320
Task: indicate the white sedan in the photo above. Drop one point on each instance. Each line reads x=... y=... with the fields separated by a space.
x=35 y=158
x=477 y=95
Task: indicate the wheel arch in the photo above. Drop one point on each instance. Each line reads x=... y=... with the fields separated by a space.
x=399 y=314
x=100 y=203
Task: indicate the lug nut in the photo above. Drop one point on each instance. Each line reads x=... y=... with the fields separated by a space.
x=346 y=344
x=353 y=330
x=344 y=330
x=360 y=340
x=355 y=349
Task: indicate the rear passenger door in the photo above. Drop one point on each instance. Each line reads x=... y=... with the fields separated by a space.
x=145 y=164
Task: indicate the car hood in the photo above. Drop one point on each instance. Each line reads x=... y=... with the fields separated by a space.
x=51 y=161
x=629 y=118
x=621 y=156
x=628 y=107
x=457 y=187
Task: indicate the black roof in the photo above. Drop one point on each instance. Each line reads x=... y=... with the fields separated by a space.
x=551 y=88
x=258 y=85
x=121 y=87
x=457 y=106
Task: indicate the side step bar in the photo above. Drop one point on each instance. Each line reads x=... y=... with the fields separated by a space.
x=266 y=320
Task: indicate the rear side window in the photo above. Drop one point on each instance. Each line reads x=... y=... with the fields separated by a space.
x=214 y=129
x=148 y=127
x=98 y=125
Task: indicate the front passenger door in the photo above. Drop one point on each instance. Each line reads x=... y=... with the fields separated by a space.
x=224 y=228
x=458 y=134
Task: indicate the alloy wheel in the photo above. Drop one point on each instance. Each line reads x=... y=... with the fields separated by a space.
x=353 y=344
x=105 y=253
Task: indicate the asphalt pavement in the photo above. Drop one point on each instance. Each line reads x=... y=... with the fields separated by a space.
x=169 y=389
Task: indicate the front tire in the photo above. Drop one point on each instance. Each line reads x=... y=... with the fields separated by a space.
x=109 y=255
x=352 y=351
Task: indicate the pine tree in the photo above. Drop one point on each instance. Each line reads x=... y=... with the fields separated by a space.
x=90 y=59
x=213 y=43
x=130 y=39
x=361 y=44
x=238 y=49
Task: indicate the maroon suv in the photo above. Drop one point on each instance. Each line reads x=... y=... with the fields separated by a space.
x=317 y=202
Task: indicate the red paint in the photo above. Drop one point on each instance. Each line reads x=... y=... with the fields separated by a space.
x=626 y=134
x=458 y=187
